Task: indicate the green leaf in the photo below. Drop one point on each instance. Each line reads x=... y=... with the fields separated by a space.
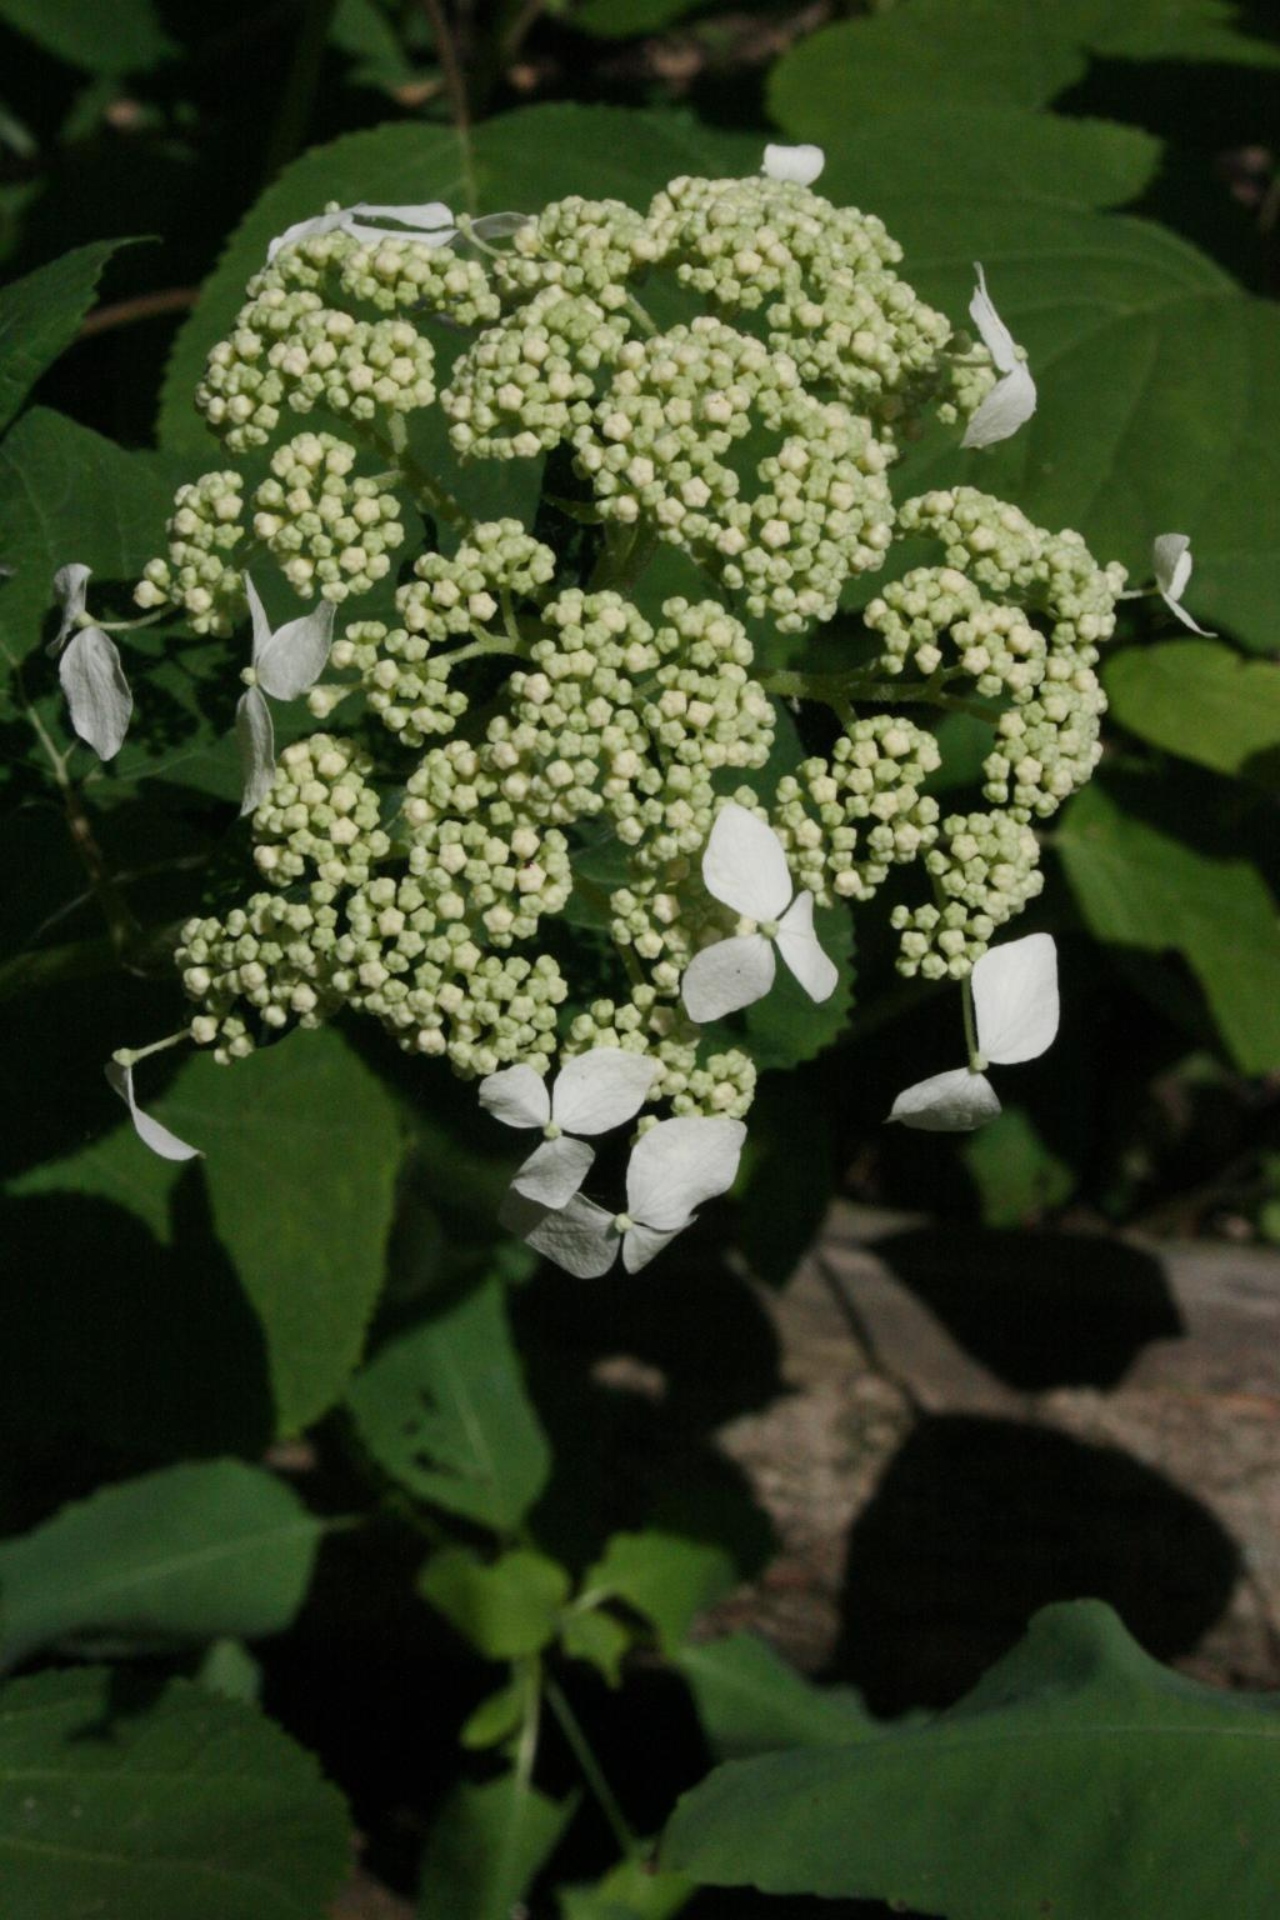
x=116 y=1807
x=496 y=1718
x=1141 y=888
x=302 y=1146
x=443 y=1410
x=110 y=1169
x=189 y=1553
x=1080 y=1779
x=1016 y=1174
x=485 y=1847
x=977 y=54
x=505 y=1608
x=750 y=1701
x=40 y=316
x=629 y=1891
x=123 y=38
x=664 y=1576
x=523 y=159
x=592 y=1635
x=68 y=494
x=1201 y=701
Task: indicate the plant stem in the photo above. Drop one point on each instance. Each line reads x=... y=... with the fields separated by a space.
x=592 y=1772
x=455 y=86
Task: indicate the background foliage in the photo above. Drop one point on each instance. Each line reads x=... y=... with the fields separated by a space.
x=298 y=1452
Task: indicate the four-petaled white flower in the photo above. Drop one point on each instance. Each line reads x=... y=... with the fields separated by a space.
x=431 y=225
x=802 y=165
x=593 y=1093
x=1015 y=1003
x=673 y=1169
x=1171 y=564
x=285 y=664
x=745 y=868
x=1012 y=400
x=149 y=1131
x=98 y=696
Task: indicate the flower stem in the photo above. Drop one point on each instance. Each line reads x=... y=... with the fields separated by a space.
x=592 y=1772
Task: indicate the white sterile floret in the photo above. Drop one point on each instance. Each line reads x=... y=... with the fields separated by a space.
x=1171 y=564
x=674 y=1168
x=800 y=165
x=98 y=697
x=744 y=867
x=433 y=225
x=149 y=1131
x=1015 y=1004
x=593 y=1093
x=1012 y=401
x=286 y=663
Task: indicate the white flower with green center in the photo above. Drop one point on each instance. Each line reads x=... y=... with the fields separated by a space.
x=1012 y=401
x=120 y=1078
x=1171 y=564
x=744 y=867
x=800 y=165
x=286 y=663
x=1015 y=1004
x=593 y=1093
x=673 y=1170
x=98 y=697
x=430 y=225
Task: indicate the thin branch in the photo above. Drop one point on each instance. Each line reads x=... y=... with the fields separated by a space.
x=143 y=306
x=456 y=87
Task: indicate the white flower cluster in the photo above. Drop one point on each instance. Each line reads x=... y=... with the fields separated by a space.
x=562 y=840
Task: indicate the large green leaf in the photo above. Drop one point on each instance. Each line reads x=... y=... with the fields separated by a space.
x=629 y=1891
x=485 y=1846
x=522 y=160
x=122 y=38
x=113 y=1807
x=978 y=54
x=750 y=1701
x=1142 y=888
x=1201 y=701
x=1080 y=1779
x=302 y=1146
x=189 y=1553
x=68 y=494
x=443 y=1410
x=39 y=316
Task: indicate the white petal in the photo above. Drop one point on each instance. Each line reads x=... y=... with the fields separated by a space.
x=303 y=229
x=1171 y=563
x=256 y=739
x=98 y=696
x=581 y=1238
x=802 y=165
x=70 y=584
x=996 y=337
x=149 y=1131
x=953 y=1102
x=294 y=656
x=641 y=1243
x=731 y=974
x=602 y=1089
x=1008 y=406
x=433 y=222
x=517 y=1096
x=261 y=624
x=799 y=947
x=744 y=866
x=554 y=1171
x=678 y=1164
x=1015 y=999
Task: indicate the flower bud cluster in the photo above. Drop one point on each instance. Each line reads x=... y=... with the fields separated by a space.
x=985 y=869
x=592 y=247
x=321 y=816
x=529 y=381
x=460 y=593
x=327 y=530
x=656 y=446
x=205 y=528
x=845 y=821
